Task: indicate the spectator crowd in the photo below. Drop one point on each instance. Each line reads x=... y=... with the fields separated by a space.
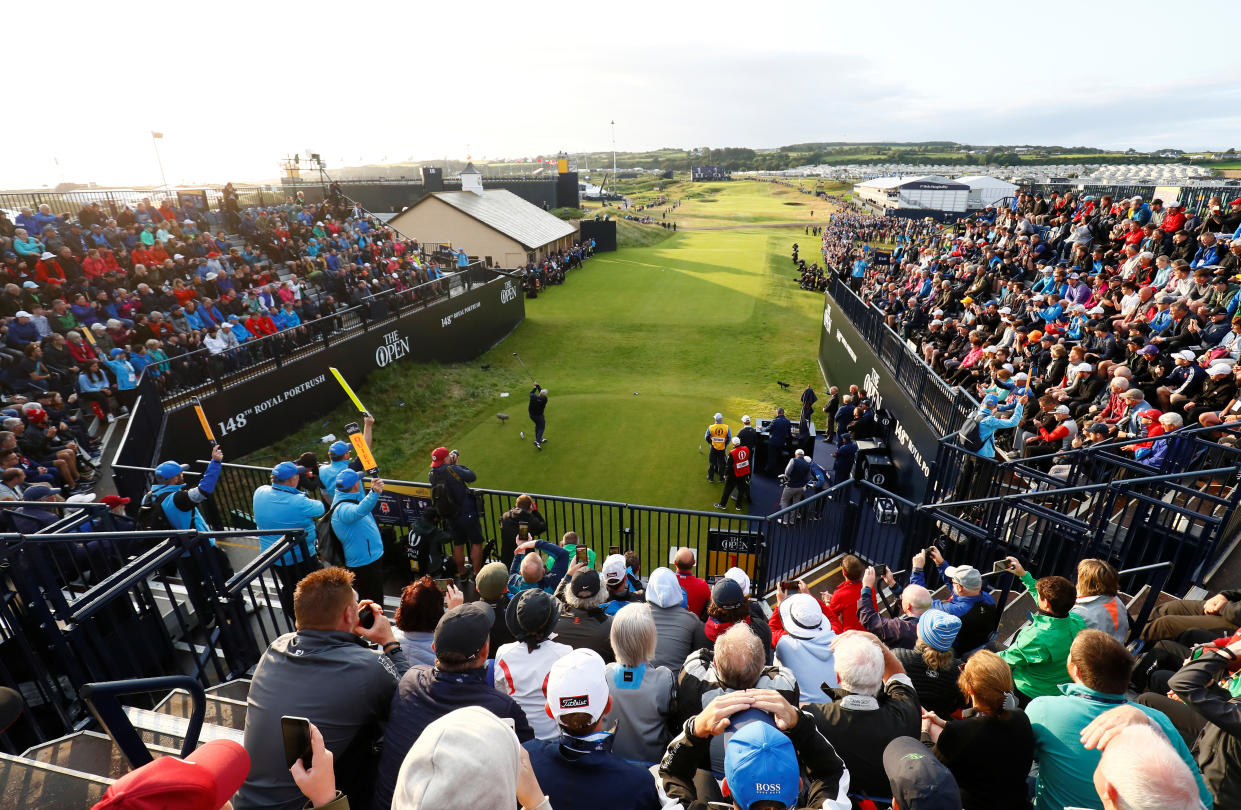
x=564 y=683
x=1074 y=319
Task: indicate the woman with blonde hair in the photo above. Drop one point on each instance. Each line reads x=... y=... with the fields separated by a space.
x=990 y=751
x=932 y=665
x=1097 y=599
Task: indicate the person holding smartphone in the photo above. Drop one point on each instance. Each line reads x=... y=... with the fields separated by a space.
x=326 y=672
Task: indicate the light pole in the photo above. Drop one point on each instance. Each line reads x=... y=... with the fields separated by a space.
x=613 y=156
x=155 y=136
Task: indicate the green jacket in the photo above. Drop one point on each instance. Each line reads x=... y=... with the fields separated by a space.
x=1065 y=768
x=1039 y=655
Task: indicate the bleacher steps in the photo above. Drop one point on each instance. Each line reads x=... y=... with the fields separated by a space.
x=221 y=711
x=88 y=752
x=29 y=785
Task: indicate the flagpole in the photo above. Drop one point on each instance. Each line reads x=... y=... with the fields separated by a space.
x=155 y=145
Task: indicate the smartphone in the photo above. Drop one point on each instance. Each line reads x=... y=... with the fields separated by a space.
x=790 y=586
x=523 y=531
x=1000 y=567
x=296 y=733
x=613 y=550
x=881 y=570
x=582 y=553
x=443 y=584
x=929 y=549
x=366 y=619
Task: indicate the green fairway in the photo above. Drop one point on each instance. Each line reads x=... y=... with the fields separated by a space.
x=639 y=349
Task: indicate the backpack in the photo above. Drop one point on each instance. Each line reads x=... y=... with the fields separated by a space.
x=969 y=437
x=151 y=514
x=443 y=503
x=327 y=544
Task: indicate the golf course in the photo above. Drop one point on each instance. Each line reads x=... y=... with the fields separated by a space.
x=639 y=349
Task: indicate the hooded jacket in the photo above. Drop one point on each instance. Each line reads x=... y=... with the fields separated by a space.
x=678 y=632
x=812 y=663
x=1218 y=747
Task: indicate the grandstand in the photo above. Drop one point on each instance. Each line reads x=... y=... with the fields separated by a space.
x=126 y=645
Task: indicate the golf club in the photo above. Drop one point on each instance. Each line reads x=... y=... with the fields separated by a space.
x=525 y=368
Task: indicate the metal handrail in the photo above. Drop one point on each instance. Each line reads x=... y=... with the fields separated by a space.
x=1017 y=496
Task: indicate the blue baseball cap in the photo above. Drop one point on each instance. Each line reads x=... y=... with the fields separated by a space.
x=286 y=470
x=168 y=470
x=116 y=352
x=347 y=480
x=991 y=400
x=760 y=765
x=339 y=449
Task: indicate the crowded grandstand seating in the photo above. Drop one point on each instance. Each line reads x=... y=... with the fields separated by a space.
x=1000 y=660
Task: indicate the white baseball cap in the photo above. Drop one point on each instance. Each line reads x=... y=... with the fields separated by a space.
x=1220 y=368
x=740 y=577
x=577 y=683
x=719 y=416
x=613 y=569
x=745 y=420
x=1186 y=354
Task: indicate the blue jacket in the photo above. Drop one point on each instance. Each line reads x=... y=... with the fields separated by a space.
x=355 y=527
x=279 y=507
x=183 y=512
x=779 y=431
x=516 y=584
x=579 y=781
x=426 y=694
x=957 y=605
x=988 y=426
x=329 y=471
x=126 y=379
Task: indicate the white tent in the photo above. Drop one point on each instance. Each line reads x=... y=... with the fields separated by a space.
x=986 y=191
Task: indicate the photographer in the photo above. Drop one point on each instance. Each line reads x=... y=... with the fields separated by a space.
x=326 y=672
x=518 y=524
x=454 y=503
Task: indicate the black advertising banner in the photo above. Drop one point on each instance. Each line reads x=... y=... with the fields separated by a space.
x=733 y=549
x=401 y=505
x=846 y=359
x=254 y=414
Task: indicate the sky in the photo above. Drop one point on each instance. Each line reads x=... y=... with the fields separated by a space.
x=236 y=86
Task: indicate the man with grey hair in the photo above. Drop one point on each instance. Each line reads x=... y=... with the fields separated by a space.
x=737 y=663
x=875 y=704
x=1139 y=769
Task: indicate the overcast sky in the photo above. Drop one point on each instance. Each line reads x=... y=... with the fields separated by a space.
x=234 y=86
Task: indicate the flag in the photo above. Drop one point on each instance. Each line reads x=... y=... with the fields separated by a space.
x=155 y=134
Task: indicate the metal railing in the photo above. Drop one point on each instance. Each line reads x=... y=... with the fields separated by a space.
x=81 y=607
x=942 y=406
x=1091 y=502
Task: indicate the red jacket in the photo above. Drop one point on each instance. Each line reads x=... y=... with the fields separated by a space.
x=1173 y=221
x=697 y=592
x=842 y=609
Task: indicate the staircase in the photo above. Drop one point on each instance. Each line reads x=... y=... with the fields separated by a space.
x=74 y=771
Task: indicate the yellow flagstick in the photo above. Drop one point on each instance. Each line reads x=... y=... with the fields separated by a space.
x=202 y=420
x=356 y=402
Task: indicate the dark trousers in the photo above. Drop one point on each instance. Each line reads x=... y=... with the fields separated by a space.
x=716 y=464
x=742 y=485
x=1187 y=721
x=197 y=571
x=775 y=459
x=368 y=581
x=289 y=576
x=540 y=423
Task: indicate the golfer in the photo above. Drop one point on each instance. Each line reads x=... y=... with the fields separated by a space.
x=538 y=404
